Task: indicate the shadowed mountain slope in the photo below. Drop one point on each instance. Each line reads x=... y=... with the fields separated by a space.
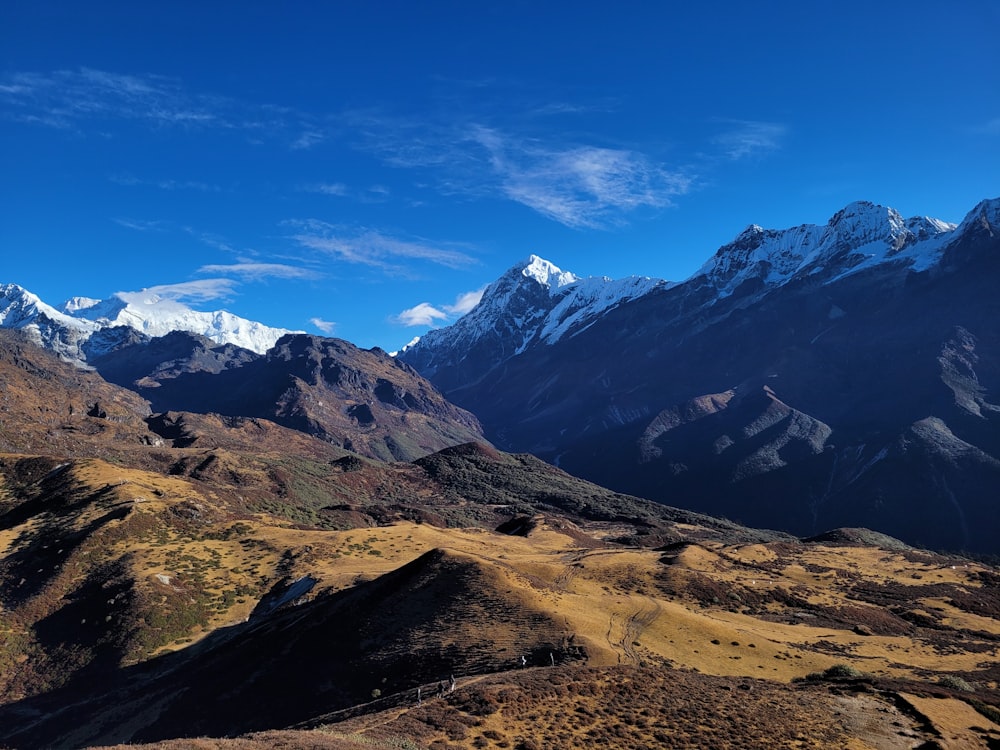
x=450 y=614
x=804 y=378
x=361 y=400
x=48 y=405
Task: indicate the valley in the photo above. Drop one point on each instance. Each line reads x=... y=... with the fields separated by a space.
x=203 y=545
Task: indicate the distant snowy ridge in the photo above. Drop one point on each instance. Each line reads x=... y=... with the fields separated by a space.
x=156 y=316
x=535 y=303
x=591 y=297
x=859 y=236
x=574 y=301
x=70 y=329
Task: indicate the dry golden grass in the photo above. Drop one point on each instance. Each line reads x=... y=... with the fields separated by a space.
x=775 y=612
x=959 y=725
x=614 y=707
x=627 y=605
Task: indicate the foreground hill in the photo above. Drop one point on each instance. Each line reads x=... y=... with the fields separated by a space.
x=806 y=378
x=870 y=631
x=640 y=707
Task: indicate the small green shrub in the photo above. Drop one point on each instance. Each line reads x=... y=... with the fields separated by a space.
x=955 y=683
x=837 y=672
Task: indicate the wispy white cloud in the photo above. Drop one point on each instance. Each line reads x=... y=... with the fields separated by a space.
x=426 y=314
x=988 y=128
x=338 y=189
x=228 y=277
x=142 y=225
x=130 y=180
x=745 y=138
x=372 y=247
x=202 y=290
x=209 y=239
x=375 y=194
x=307 y=140
x=582 y=186
x=326 y=326
x=80 y=99
x=370 y=194
x=249 y=271
x=579 y=185
x=423 y=314
x=465 y=302
x=65 y=97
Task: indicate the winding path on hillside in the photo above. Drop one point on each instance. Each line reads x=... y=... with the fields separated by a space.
x=624 y=630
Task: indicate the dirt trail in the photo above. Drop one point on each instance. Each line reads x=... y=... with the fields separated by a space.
x=624 y=631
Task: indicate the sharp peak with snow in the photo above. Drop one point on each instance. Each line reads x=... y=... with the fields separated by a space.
x=534 y=301
x=859 y=235
x=538 y=270
x=544 y=272
x=985 y=216
x=80 y=328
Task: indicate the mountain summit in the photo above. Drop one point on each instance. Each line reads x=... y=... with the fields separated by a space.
x=534 y=302
x=83 y=328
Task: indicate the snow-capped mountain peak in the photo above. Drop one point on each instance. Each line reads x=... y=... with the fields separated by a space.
x=863 y=220
x=19 y=308
x=985 y=216
x=70 y=329
x=860 y=235
x=750 y=234
x=546 y=273
x=75 y=305
x=534 y=302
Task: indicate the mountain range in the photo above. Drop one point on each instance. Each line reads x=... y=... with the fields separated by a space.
x=187 y=579
x=204 y=545
x=81 y=327
x=801 y=379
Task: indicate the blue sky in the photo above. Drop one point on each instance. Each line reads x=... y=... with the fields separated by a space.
x=362 y=169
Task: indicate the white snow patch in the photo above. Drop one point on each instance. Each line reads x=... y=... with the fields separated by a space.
x=547 y=273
